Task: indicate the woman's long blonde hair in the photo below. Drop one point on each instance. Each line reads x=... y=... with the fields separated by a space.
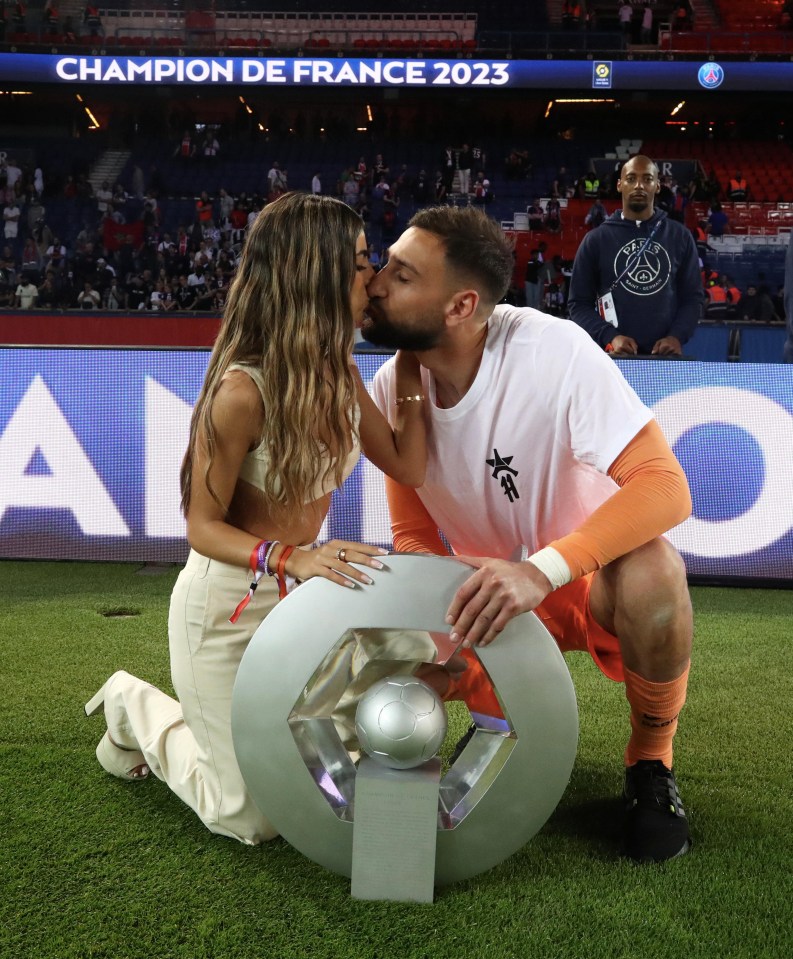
x=288 y=313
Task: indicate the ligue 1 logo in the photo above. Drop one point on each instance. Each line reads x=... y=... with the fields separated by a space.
x=710 y=75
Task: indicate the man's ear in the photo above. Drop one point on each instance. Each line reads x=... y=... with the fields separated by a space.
x=463 y=306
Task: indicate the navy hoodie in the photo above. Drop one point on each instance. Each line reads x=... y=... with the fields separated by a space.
x=659 y=295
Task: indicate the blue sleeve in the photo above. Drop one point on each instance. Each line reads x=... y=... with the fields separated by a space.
x=689 y=291
x=585 y=289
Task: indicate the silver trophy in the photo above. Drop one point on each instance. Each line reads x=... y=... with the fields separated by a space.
x=326 y=657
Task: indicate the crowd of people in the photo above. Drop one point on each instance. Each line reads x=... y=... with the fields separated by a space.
x=125 y=257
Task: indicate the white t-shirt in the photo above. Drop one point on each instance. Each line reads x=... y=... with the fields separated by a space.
x=28 y=294
x=522 y=458
x=11 y=216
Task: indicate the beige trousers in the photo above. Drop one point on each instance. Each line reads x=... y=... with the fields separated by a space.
x=188 y=743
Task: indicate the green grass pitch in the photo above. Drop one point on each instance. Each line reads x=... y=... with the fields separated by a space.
x=94 y=867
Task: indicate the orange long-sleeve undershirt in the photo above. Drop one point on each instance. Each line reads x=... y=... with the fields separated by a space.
x=652 y=498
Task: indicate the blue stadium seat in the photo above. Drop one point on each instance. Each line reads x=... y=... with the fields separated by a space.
x=709 y=344
x=762 y=344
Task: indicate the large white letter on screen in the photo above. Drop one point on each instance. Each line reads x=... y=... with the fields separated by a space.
x=771 y=515
x=73 y=484
x=167 y=433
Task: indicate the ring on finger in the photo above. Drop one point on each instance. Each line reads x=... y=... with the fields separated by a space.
x=341 y=554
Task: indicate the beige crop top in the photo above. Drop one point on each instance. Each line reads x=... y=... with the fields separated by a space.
x=253 y=466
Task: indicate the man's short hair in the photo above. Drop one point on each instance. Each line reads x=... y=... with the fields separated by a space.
x=476 y=246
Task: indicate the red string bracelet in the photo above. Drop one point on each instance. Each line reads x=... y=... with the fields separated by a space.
x=253 y=565
x=280 y=574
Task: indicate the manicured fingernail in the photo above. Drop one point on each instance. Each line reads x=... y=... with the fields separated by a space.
x=375 y=564
x=453 y=636
x=466 y=644
x=382 y=552
x=448 y=620
x=368 y=580
x=350 y=583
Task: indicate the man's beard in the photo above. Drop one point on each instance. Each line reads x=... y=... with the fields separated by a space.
x=638 y=205
x=381 y=332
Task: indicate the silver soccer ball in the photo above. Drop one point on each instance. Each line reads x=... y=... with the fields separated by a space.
x=400 y=722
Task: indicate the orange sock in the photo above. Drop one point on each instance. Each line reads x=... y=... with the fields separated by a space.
x=654 y=711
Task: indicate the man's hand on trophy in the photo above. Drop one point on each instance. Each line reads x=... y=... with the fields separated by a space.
x=491 y=597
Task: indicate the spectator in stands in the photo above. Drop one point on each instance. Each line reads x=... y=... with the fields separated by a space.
x=104 y=199
x=26 y=294
x=590 y=182
x=8 y=284
x=448 y=167
x=718 y=221
x=733 y=294
x=92 y=22
x=11 y=218
x=49 y=297
x=185 y=296
x=738 y=189
x=561 y=184
x=277 y=181
x=553 y=215
x=536 y=214
x=119 y=203
x=55 y=255
x=316 y=183
x=89 y=298
x=114 y=297
x=19 y=17
x=50 y=17
x=646 y=35
x=440 y=187
x=351 y=191
x=596 y=214
x=636 y=285
x=422 y=189
x=625 y=17
x=380 y=167
x=31 y=260
x=13 y=175
x=683 y=17
x=516 y=164
x=185 y=149
x=203 y=210
x=137 y=294
x=483 y=193
x=756 y=307
x=718 y=299
x=465 y=160
x=210 y=148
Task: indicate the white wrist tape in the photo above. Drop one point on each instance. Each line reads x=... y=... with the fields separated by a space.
x=551 y=562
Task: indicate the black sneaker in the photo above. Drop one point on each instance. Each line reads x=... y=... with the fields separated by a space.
x=462 y=742
x=655 y=825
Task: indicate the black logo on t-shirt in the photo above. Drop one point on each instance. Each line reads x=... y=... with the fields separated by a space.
x=501 y=465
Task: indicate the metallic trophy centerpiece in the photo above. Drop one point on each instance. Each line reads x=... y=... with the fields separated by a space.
x=321 y=660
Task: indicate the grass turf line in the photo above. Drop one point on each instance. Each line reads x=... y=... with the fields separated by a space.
x=94 y=867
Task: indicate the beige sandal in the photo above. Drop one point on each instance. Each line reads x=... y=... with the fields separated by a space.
x=123 y=763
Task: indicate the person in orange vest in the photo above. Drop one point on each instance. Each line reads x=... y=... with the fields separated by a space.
x=717 y=298
x=733 y=295
x=738 y=189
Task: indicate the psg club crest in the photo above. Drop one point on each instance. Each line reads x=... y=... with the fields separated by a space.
x=710 y=75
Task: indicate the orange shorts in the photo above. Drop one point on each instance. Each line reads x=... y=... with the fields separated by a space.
x=566 y=615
